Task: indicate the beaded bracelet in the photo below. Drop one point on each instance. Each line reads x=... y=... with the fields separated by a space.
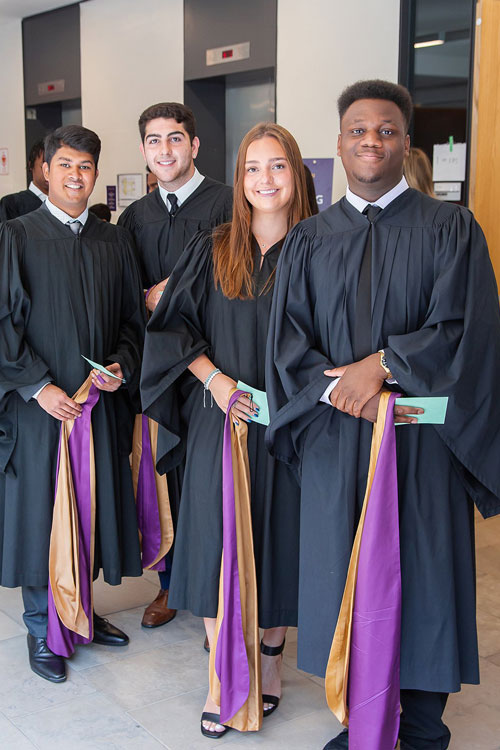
x=206 y=386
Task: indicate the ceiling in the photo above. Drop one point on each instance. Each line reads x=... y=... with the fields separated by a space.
x=10 y=9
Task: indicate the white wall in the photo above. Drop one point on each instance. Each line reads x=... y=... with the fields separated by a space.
x=132 y=56
x=12 y=106
x=323 y=46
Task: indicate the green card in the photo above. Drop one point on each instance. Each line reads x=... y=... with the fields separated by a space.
x=260 y=399
x=97 y=366
x=434 y=408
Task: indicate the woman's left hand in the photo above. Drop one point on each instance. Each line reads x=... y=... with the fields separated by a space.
x=221 y=387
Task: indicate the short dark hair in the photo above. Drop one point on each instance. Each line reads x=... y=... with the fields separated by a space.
x=169 y=110
x=75 y=136
x=35 y=151
x=101 y=210
x=377 y=89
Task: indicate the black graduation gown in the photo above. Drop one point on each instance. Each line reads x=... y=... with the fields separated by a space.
x=161 y=238
x=62 y=296
x=18 y=204
x=159 y=241
x=195 y=318
x=435 y=311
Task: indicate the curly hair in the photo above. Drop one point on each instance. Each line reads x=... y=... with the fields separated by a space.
x=377 y=89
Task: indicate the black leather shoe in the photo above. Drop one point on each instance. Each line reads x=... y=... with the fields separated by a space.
x=106 y=634
x=340 y=742
x=43 y=662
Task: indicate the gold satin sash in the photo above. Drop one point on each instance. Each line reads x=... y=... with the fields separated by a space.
x=337 y=671
x=249 y=717
x=164 y=511
x=64 y=565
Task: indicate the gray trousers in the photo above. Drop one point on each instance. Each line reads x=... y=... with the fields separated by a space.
x=35 y=615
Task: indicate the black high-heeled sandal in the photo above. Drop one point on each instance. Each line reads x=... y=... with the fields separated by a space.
x=273 y=699
x=208 y=716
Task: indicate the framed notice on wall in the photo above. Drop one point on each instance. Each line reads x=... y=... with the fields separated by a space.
x=129 y=188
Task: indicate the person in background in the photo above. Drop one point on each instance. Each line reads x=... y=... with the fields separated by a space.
x=209 y=331
x=162 y=223
x=102 y=211
x=18 y=204
x=417 y=170
x=151 y=181
x=389 y=289
x=69 y=285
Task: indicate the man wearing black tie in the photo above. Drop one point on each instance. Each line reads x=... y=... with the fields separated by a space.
x=389 y=286
x=162 y=223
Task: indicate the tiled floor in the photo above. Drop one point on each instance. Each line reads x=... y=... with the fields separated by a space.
x=150 y=694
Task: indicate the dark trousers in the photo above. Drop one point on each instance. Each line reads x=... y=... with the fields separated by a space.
x=164 y=575
x=422 y=727
x=35 y=615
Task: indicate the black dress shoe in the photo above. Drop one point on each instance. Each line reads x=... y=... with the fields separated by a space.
x=43 y=662
x=340 y=742
x=106 y=634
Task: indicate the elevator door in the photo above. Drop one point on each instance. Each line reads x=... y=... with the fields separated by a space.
x=250 y=99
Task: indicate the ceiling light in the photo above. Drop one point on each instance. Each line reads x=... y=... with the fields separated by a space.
x=430 y=43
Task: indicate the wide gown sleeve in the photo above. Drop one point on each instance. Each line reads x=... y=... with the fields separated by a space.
x=20 y=365
x=294 y=365
x=456 y=353
x=128 y=351
x=175 y=337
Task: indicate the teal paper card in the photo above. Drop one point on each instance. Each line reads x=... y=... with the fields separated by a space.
x=434 y=408
x=97 y=366
x=260 y=399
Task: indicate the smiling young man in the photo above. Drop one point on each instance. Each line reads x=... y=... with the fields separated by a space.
x=389 y=286
x=18 y=204
x=69 y=285
x=164 y=220
x=162 y=223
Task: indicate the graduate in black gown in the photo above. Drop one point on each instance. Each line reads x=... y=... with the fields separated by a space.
x=162 y=223
x=433 y=311
x=210 y=328
x=65 y=292
x=18 y=204
x=161 y=229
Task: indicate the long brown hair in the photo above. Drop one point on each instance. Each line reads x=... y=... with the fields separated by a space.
x=233 y=252
x=418 y=171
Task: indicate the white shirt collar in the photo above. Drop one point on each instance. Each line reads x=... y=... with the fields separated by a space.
x=37 y=191
x=383 y=201
x=183 y=192
x=63 y=217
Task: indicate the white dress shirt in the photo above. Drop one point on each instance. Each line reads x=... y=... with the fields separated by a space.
x=37 y=191
x=360 y=204
x=63 y=217
x=182 y=193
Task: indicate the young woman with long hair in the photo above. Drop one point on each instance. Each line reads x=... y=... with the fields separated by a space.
x=417 y=169
x=209 y=331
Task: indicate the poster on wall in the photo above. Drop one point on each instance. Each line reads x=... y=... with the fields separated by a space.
x=322 y=172
x=111 y=197
x=4 y=161
x=129 y=188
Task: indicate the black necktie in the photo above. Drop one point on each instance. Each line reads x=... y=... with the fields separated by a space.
x=363 y=319
x=172 y=199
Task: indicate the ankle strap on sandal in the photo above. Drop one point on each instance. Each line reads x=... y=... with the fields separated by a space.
x=271 y=650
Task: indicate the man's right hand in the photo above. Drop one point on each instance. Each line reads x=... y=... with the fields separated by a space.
x=58 y=404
